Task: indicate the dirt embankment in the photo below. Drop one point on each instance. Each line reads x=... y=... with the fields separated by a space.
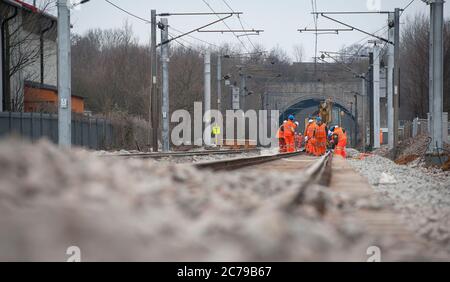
x=412 y=152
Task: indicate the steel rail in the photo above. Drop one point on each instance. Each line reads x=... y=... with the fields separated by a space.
x=183 y=154
x=319 y=173
x=234 y=164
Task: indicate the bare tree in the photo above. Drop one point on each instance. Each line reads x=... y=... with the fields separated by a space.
x=299 y=53
x=23 y=50
x=111 y=70
x=414 y=67
x=278 y=55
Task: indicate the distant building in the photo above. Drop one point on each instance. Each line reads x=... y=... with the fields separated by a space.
x=28 y=68
x=44 y=98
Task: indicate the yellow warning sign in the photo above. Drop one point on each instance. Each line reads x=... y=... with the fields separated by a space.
x=216 y=130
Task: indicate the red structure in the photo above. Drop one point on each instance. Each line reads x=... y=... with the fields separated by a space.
x=44 y=98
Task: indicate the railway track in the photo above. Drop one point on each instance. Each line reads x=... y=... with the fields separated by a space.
x=184 y=154
x=315 y=168
x=315 y=171
x=239 y=163
x=387 y=228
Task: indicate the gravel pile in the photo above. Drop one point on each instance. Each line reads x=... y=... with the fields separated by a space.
x=382 y=151
x=352 y=153
x=414 y=146
x=422 y=197
x=137 y=210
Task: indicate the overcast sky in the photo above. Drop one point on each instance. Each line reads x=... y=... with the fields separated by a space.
x=279 y=18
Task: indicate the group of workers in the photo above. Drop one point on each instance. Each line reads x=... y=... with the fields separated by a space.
x=317 y=138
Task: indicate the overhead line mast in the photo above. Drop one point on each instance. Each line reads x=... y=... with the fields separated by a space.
x=209 y=6
x=392 y=41
x=242 y=26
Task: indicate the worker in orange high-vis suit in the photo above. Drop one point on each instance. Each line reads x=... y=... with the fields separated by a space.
x=298 y=137
x=309 y=134
x=340 y=136
x=298 y=141
x=320 y=138
x=289 y=134
x=280 y=136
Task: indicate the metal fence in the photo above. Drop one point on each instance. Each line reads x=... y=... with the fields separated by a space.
x=419 y=126
x=93 y=133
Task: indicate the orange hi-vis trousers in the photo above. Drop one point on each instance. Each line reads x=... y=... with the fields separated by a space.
x=311 y=146
x=339 y=150
x=282 y=145
x=290 y=143
x=320 y=146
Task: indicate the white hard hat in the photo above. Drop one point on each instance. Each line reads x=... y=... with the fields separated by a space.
x=285 y=121
x=310 y=121
x=297 y=123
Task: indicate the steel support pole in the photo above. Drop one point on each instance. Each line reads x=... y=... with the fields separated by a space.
x=1 y=67
x=154 y=92
x=396 y=101
x=370 y=97
x=430 y=80
x=207 y=99
x=364 y=122
x=376 y=97
x=219 y=83
x=243 y=92
x=390 y=83
x=165 y=85
x=356 y=121
x=64 y=85
x=437 y=74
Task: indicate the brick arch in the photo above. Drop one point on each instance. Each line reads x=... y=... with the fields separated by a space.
x=283 y=96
